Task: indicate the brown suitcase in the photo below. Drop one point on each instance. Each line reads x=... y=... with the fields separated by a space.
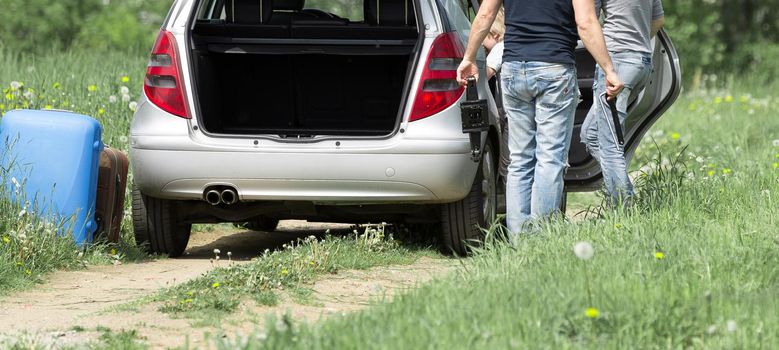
x=111 y=186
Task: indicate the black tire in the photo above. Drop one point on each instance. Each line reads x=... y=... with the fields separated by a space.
x=462 y=221
x=263 y=224
x=156 y=226
x=564 y=203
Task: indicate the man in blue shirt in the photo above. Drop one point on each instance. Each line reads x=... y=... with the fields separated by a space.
x=540 y=93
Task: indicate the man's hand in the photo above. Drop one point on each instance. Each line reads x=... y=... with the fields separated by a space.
x=465 y=70
x=613 y=84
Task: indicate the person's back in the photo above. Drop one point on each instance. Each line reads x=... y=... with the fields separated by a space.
x=627 y=24
x=540 y=31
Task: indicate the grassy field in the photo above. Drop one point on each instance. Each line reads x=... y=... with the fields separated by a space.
x=694 y=265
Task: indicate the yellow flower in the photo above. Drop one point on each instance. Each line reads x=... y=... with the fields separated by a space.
x=188 y=300
x=728 y=98
x=28 y=272
x=617 y=226
x=743 y=98
x=659 y=255
x=125 y=79
x=101 y=111
x=591 y=312
x=48 y=107
x=284 y=272
x=19 y=263
x=312 y=263
x=675 y=136
x=215 y=285
x=56 y=85
x=6 y=240
x=776 y=165
x=113 y=251
x=726 y=171
x=717 y=100
x=693 y=106
x=92 y=88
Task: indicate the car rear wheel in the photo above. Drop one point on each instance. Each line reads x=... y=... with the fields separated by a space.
x=156 y=225
x=462 y=221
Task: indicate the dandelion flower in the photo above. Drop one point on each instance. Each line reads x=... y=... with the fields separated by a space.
x=125 y=79
x=92 y=88
x=113 y=251
x=284 y=272
x=215 y=285
x=775 y=143
x=124 y=90
x=126 y=98
x=712 y=329
x=48 y=107
x=229 y=254
x=101 y=111
x=726 y=171
x=583 y=250
x=776 y=165
x=56 y=85
x=675 y=136
x=217 y=251
x=617 y=226
x=728 y=98
x=659 y=255
x=29 y=95
x=133 y=106
x=711 y=173
x=15 y=85
x=6 y=240
x=732 y=326
x=717 y=100
x=592 y=312
x=112 y=99
x=28 y=272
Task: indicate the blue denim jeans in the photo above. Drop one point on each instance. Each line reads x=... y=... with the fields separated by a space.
x=540 y=101
x=633 y=68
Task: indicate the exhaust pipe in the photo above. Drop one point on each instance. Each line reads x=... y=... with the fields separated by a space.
x=213 y=197
x=229 y=196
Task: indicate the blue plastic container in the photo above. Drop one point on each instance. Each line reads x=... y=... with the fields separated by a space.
x=52 y=160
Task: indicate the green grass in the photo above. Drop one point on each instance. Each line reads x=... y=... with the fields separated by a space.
x=82 y=82
x=695 y=264
x=292 y=269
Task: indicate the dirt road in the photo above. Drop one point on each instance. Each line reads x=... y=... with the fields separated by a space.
x=72 y=305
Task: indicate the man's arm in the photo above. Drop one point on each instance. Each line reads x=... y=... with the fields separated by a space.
x=592 y=36
x=479 y=30
x=657 y=24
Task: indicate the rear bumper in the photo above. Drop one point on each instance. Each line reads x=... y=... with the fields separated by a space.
x=437 y=171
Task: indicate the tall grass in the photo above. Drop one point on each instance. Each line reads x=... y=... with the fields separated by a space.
x=99 y=84
x=694 y=264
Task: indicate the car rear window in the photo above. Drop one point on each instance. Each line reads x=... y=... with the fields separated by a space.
x=346 y=9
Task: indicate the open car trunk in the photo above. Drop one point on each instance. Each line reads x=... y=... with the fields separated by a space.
x=302 y=77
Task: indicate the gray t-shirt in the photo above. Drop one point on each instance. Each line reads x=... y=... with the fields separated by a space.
x=627 y=23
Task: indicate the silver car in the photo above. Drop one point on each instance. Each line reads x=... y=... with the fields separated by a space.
x=257 y=111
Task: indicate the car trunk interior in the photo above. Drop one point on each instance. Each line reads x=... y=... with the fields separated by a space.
x=299 y=73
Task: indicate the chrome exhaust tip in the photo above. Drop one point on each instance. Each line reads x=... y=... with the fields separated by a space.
x=229 y=196
x=213 y=197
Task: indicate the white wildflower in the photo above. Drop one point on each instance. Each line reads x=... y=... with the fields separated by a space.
x=775 y=143
x=732 y=326
x=29 y=95
x=126 y=98
x=712 y=329
x=23 y=212
x=15 y=85
x=229 y=254
x=583 y=250
x=112 y=99
x=124 y=90
x=217 y=251
x=767 y=193
x=133 y=106
x=700 y=159
x=123 y=139
x=80 y=255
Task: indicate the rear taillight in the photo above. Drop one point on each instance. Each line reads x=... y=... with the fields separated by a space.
x=163 y=84
x=438 y=88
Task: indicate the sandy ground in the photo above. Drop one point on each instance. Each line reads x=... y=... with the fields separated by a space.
x=51 y=313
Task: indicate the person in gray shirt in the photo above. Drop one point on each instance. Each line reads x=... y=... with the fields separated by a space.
x=629 y=26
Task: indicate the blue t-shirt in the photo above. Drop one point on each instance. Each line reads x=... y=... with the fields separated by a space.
x=540 y=31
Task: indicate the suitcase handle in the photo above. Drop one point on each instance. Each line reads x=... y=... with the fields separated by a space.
x=471 y=92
